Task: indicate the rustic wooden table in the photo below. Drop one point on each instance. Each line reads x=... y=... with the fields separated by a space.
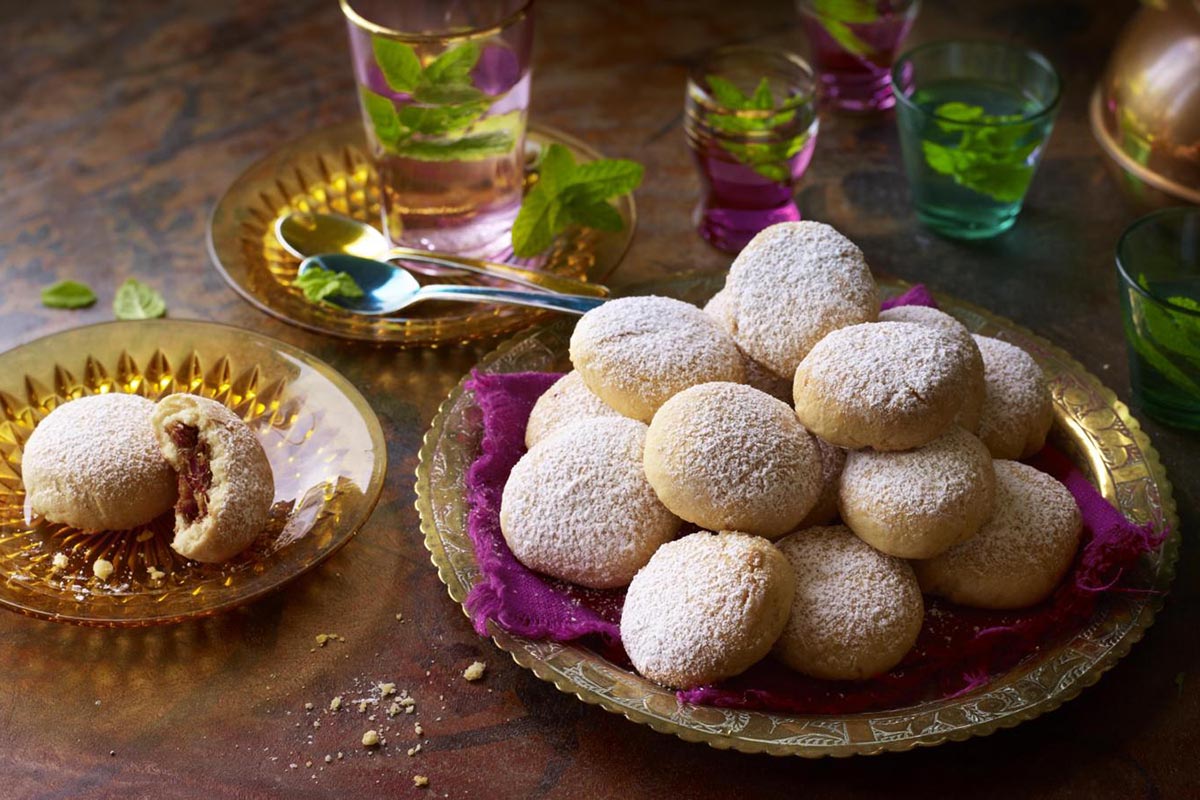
x=122 y=123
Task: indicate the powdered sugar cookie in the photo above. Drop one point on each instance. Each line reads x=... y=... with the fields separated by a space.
x=578 y=507
x=1020 y=554
x=972 y=408
x=792 y=284
x=757 y=375
x=856 y=611
x=93 y=464
x=886 y=385
x=1017 y=411
x=706 y=607
x=729 y=457
x=917 y=503
x=567 y=401
x=637 y=352
x=225 y=483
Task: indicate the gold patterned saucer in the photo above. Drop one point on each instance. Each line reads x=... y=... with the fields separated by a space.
x=1091 y=425
x=329 y=171
x=324 y=443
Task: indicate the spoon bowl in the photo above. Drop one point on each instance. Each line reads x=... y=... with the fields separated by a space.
x=388 y=288
x=310 y=234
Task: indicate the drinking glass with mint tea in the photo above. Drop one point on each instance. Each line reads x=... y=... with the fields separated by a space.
x=853 y=43
x=751 y=125
x=974 y=118
x=444 y=92
x=1158 y=277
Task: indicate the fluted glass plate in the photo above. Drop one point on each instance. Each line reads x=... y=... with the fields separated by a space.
x=328 y=171
x=324 y=443
x=1091 y=425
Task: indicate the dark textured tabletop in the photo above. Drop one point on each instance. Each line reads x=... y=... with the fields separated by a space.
x=120 y=126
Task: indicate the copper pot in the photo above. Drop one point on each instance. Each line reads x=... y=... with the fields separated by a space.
x=1145 y=112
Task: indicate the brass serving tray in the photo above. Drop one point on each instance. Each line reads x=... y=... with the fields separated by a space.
x=328 y=170
x=1091 y=425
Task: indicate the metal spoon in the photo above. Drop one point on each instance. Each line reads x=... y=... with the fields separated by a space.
x=388 y=288
x=311 y=234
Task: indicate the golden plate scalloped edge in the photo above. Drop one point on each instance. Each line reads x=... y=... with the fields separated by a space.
x=1037 y=685
x=328 y=170
x=328 y=478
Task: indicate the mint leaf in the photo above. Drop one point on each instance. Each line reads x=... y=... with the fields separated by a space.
x=453 y=66
x=726 y=93
x=318 y=283
x=452 y=94
x=841 y=33
x=68 y=294
x=398 y=62
x=598 y=214
x=384 y=118
x=467 y=148
x=608 y=177
x=988 y=160
x=536 y=222
x=959 y=112
x=439 y=120
x=136 y=300
x=856 y=11
x=556 y=168
x=762 y=99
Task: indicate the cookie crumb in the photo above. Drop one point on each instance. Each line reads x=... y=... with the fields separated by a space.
x=328 y=758
x=59 y=561
x=155 y=574
x=400 y=618
x=322 y=638
x=420 y=780
x=418 y=730
x=387 y=689
x=102 y=568
x=308 y=706
x=475 y=671
x=370 y=739
x=335 y=703
x=393 y=709
x=362 y=706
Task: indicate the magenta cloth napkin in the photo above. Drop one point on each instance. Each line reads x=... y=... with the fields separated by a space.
x=958 y=648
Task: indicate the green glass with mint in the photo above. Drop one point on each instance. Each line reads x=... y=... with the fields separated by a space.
x=974 y=118
x=1158 y=277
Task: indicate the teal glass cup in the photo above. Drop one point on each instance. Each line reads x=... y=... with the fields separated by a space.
x=1158 y=277
x=974 y=118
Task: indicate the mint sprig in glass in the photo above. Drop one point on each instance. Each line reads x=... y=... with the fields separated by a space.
x=853 y=43
x=444 y=91
x=751 y=125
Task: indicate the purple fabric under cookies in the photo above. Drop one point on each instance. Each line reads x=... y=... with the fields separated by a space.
x=959 y=648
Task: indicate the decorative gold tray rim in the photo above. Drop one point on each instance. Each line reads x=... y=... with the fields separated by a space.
x=372 y=491
x=520 y=649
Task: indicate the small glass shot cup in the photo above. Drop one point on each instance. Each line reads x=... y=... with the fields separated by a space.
x=974 y=118
x=1158 y=278
x=853 y=45
x=751 y=124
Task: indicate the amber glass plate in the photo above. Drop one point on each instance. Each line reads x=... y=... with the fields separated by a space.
x=324 y=443
x=1090 y=424
x=328 y=170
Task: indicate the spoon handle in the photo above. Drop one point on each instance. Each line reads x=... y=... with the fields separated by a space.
x=571 y=303
x=534 y=279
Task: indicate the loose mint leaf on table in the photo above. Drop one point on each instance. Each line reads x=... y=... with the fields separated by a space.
x=136 y=300
x=68 y=294
x=398 y=62
x=318 y=283
x=567 y=193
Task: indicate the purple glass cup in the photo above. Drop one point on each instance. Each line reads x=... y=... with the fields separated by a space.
x=751 y=124
x=853 y=45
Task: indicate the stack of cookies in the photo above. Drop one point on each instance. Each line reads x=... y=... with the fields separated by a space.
x=788 y=405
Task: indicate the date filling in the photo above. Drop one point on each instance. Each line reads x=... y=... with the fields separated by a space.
x=195 y=474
